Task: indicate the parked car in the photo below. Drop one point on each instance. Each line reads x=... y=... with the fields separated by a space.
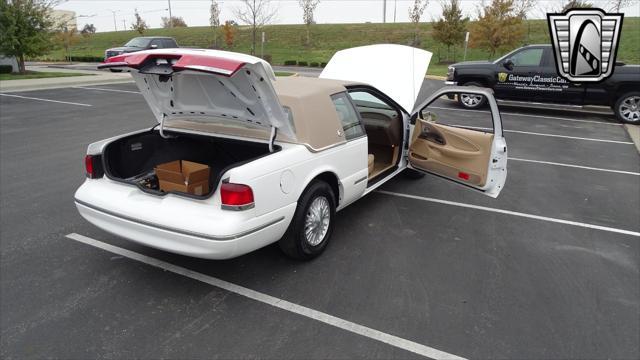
x=285 y=154
x=529 y=74
x=141 y=43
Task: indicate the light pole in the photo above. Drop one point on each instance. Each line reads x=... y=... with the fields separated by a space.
x=395 y=8
x=115 y=26
x=384 y=11
x=170 y=17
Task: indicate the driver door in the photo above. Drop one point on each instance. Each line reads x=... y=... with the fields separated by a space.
x=465 y=147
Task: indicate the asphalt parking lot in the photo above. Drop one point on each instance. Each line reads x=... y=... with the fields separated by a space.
x=550 y=269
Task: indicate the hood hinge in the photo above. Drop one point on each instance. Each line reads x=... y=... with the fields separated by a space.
x=272 y=138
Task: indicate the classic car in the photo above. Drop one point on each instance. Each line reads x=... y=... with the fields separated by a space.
x=286 y=154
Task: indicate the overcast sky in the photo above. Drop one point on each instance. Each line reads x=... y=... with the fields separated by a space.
x=196 y=12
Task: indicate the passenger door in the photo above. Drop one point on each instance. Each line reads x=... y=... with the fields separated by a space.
x=465 y=147
x=516 y=79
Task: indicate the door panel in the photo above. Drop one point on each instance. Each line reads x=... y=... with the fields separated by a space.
x=452 y=152
x=465 y=147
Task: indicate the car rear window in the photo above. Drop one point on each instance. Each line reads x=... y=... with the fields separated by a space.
x=348 y=116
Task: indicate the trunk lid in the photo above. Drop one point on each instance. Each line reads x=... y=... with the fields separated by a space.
x=396 y=70
x=227 y=88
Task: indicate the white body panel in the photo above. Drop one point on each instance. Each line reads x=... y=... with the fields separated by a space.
x=201 y=228
x=396 y=70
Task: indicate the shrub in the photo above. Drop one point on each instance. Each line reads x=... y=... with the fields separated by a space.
x=323 y=64
x=290 y=62
x=303 y=63
x=314 y=64
x=6 y=69
x=87 y=58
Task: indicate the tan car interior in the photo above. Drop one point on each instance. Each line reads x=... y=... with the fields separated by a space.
x=456 y=153
x=383 y=126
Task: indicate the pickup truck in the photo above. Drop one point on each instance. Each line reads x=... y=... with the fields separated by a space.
x=142 y=43
x=284 y=154
x=529 y=74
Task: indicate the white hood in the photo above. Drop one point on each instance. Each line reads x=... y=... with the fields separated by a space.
x=207 y=85
x=396 y=70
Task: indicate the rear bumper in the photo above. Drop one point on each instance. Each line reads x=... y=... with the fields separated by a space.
x=221 y=234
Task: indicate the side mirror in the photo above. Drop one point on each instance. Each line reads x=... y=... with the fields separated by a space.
x=154 y=46
x=508 y=64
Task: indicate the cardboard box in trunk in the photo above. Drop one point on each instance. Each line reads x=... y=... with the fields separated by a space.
x=184 y=176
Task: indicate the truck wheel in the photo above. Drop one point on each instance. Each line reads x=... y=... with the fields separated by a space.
x=471 y=101
x=627 y=108
x=312 y=223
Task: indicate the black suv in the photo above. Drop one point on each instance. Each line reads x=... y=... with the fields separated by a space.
x=529 y=74
x=142 y=43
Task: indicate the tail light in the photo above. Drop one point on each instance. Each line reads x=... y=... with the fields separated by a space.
x=236 y=196
x=93 y=166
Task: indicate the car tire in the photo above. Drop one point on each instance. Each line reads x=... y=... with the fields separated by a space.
x=471 y=101
x=413 y=174
x=627 y=108
x=310 y=229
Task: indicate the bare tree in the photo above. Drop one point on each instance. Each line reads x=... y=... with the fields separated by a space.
x=576 y=4
x=173 y=21
x=214 y=21
x=616 y=5
x=255 y=13
x=139 y=25
x=415 y=13
x=308 y=7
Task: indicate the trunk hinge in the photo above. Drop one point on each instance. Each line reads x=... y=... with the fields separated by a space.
x=162 y=128
x=272 y=138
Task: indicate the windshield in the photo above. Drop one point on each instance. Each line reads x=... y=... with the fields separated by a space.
x=138 y=42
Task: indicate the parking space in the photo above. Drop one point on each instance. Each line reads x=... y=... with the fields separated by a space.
x=420 y=268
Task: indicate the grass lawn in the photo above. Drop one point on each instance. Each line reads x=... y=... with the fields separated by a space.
x=283 y=73
x=38 y=75
x=287 y=42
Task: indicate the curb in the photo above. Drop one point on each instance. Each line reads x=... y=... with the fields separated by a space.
x=634 y=134
x=435 y=77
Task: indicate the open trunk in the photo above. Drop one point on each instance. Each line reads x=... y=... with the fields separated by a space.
x=132 y=159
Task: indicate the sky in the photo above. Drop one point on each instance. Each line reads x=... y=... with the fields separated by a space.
x=196 y=12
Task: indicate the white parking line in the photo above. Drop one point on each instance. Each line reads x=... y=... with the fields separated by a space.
x=104 y=89
x=536 y=116
x=575 y=166
x=514 y=213
x=570 y=137
x=48 y=100
x=370 y=333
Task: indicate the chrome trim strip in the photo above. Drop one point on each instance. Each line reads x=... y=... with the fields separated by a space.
x=360 y=180
x=454 y=83
x=238 y=207
x=179 y=231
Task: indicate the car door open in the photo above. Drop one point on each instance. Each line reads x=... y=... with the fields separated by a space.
x=467 y=146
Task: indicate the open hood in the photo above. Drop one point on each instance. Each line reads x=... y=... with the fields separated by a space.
x=396 y=70
x=207 y=86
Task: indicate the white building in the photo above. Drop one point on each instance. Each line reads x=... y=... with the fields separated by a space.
x=64 y=18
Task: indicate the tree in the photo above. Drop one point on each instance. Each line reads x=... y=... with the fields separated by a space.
x=229 y=30
x=451 y=27
x=67 y=37
x=214 y=20
x=174 y=21
x=308 y=7
x=140 y=25
x=256 y=13
x=88 y=30
x=576 y=4
x=415 y=13
x=617 y=5
x=25 y=28
x=499 y=26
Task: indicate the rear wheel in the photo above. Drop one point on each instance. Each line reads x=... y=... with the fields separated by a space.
x=312 y=224
x=471 y=101
x=627 y=108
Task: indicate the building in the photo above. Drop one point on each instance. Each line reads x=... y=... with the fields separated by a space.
x=64 y=18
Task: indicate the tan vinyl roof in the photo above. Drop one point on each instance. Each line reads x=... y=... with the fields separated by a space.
x=314 y=115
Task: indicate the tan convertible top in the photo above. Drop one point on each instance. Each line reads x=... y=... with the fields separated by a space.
x=315 y=119
x=314 y=115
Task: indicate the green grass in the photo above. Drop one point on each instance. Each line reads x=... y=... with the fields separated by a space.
x=38 y=75
x=286 y=42
x=283 y=73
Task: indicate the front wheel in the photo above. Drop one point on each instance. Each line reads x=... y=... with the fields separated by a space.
x=627 y=108
x=312 y=224
x=471 y=101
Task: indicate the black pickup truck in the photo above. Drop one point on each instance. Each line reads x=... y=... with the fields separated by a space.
x=529 y=74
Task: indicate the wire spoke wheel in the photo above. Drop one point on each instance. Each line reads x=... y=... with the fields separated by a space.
x=316 y=223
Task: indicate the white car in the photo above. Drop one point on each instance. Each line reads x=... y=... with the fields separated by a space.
x=285 y=154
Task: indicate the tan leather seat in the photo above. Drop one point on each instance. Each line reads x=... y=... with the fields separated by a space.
x=370 y=159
